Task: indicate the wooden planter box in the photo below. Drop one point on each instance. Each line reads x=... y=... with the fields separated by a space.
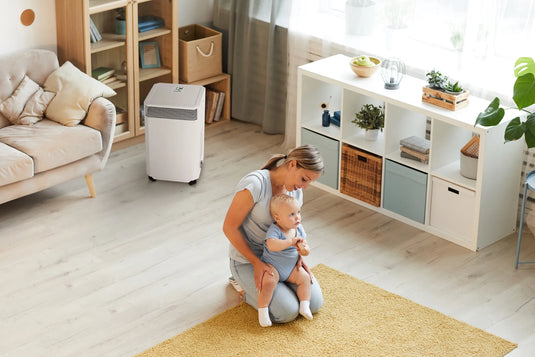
x=445 y=100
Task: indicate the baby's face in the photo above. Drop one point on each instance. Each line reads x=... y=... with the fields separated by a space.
x=289 y=215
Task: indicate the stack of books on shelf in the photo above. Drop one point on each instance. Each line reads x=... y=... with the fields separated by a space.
x=94 y=34
x=105 y=75
x=214 y=105
x=121 y=120
x=149 y=22
x=415 y=148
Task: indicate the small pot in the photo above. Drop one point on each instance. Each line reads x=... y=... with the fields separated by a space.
x=371 y=134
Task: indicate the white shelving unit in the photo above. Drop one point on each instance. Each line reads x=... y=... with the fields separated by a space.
x=488 y=204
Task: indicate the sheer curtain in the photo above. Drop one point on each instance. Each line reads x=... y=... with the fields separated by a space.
x=256 y=31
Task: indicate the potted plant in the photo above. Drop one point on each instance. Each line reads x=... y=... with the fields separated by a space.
x=370 y=118
x=524 y=97
x=442 y=91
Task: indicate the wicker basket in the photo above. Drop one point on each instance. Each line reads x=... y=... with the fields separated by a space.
x=361 y=175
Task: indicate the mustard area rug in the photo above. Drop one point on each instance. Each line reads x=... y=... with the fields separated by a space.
x=357 y=319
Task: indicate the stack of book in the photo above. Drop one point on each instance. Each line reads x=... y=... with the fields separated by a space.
x=121 y=120
x=415 y=148
x=214 y=105
x=105 y=75
x=94 y=34
x=149 y=22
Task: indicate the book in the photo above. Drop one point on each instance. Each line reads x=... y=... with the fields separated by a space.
x=219 y=107
x=102 y=73
x=409 y=156
x=149 y=22
x=416 y=143
x=414 y=153
x=109 y=80
x=95 y=34
x=210 y=105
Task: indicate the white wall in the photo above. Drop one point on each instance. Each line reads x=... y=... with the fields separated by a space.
x=15 y=36
x=42 y=33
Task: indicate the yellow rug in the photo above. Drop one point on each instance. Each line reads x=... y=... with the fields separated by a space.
x=357 y=319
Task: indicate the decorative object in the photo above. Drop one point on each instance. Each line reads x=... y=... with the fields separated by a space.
x=359 y=17
x=326 y=117
x=369 y=118
x=364 y=66
x=357 y=319
x=392 y=71
x=120 y=21
x=469 y=158
x=27 y=17
x=524 y=97
x=149 y=54
x=443 y=92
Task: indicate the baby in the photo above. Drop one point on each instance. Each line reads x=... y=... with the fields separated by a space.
x=285 y=241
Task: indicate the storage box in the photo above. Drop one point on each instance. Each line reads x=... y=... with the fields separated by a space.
x=329 y=149
x=361 y=175
x=200 y=52
x=405 y=191
x=453 y=209
x=445 y=100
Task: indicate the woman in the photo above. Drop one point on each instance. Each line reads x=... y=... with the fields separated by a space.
x=248 y=219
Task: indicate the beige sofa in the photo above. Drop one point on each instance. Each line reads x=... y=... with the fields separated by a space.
x=38 y=156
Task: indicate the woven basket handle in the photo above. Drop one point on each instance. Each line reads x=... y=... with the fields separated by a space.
x=204 y=54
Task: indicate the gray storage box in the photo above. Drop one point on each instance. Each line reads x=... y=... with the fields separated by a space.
x=329 y=149
x=405 y=191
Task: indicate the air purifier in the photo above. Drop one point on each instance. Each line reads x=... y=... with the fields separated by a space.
x=174 y=132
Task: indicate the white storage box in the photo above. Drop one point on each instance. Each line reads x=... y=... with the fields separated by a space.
x=453 y=209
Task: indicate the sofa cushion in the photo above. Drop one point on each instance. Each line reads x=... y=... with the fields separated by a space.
x=14 y=165
x=35 y=107
x=50 y=144
x=13 y=106
x=75 y=91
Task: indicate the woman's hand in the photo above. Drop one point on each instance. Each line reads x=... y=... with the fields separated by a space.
x=260 y=269
x=301 y=263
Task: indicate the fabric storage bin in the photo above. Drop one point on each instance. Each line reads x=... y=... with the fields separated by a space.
x=360 y=176
x=329 y=149
x=405 y=191
x=453 y=209
x=200 y=52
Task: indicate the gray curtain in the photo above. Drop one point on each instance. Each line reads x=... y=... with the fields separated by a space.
x=255 y=54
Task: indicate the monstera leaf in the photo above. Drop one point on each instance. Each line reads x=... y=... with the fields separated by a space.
x=524 y=91
x=524 y=65
x=492 y=115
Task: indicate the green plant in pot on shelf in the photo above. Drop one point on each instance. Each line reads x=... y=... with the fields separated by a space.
x=371 y=118
x=524 y=97
x=437 y=80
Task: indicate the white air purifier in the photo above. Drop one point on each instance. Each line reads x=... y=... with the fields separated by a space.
x=174 y=132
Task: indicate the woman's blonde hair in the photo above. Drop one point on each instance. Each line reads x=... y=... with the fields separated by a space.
x=306 y=157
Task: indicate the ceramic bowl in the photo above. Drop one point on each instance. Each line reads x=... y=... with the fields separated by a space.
x=365 y=71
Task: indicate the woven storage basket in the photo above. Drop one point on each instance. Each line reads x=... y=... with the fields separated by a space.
x=361 y=175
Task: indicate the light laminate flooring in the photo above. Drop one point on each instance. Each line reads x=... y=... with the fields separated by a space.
x=144 y=261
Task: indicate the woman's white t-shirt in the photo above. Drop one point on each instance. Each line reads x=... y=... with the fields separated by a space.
x=257 y=222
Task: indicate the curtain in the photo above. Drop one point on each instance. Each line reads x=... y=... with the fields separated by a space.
x=256 y=31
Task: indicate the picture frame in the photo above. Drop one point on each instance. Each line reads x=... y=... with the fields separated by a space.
x=149 y=54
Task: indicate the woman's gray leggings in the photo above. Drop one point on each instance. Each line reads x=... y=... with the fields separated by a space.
x=284 y=306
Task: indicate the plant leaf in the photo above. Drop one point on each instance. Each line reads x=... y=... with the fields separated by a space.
x=524 y=65
x=530 y=139
x=492 y=115
x=514 y=130
x=524 y=91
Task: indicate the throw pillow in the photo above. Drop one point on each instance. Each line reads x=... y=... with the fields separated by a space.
x=75 y=91
x=35 y=107
x=13 y=106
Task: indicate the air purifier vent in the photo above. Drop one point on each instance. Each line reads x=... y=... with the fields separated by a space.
x=172 y=113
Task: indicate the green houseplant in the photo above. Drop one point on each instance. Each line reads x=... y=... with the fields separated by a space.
x=437 y=80
x=371 y=118
x=524 y=97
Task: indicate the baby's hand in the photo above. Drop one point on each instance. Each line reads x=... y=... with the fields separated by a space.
x=302 y=248
x=296 y=241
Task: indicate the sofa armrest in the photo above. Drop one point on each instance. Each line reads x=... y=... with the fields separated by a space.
x=101 y=116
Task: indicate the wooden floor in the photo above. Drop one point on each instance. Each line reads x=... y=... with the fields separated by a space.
x=143 y=261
